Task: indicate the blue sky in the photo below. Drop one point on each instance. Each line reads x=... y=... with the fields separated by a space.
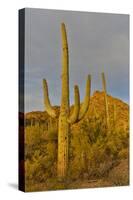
x=98 y=42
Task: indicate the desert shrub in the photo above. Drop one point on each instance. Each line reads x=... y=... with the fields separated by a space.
x=33 y=135
x=102 y=149
x=40 y=168
x=94 y=153
x=124 y=153
x=40 y=156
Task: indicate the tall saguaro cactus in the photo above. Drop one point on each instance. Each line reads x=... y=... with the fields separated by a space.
x=65 y=119
x=106 y=102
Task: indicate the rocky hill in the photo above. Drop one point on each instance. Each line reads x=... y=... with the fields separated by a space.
x=118 y=111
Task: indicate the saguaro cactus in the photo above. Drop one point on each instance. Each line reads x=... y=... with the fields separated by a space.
x=114 y=115
x=65 y=119
x=106 y=102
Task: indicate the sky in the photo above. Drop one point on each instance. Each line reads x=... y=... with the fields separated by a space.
x=97 y=42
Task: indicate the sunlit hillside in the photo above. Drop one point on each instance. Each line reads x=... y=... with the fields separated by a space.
x=97 y=156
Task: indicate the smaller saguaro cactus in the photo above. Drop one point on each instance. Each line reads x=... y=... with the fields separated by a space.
x=114 y=114
x=106 y=102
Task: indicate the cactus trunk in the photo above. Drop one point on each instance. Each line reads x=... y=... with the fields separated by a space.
x=64 y=110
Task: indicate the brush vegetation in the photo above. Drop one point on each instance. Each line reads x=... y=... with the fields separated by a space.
x=97 y=156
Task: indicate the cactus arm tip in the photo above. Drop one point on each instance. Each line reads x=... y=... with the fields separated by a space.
x=74 y=116
x=85 y=105
x=64 y=36
x=47 y=103
x=62 y=24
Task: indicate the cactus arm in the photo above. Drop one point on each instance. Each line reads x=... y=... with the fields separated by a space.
x=74 y=116
x=47 y=103
x=85 y=105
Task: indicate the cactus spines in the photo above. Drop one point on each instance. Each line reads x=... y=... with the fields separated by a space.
x=65 y=119
x=106 y=102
